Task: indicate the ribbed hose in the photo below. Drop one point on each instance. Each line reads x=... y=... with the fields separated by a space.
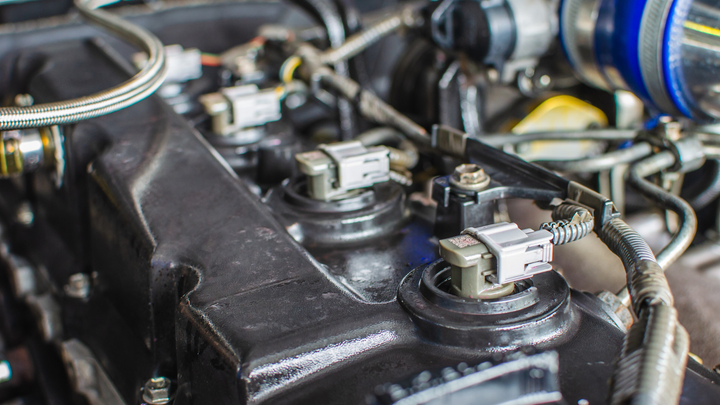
x=652 y=364
x=645 y=277
x=571 y=223
x=140 y=86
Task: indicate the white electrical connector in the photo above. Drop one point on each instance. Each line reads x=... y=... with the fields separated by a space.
x=520 y=254
x=236 y=108
x=335 y=170
x=487 y=257
x=182 y=64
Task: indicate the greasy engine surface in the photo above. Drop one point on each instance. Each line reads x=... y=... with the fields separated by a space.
x=205 y=260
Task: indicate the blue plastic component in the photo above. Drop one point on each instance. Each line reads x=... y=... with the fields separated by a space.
x=672 y=56
x=616 y=50
x=620 y=42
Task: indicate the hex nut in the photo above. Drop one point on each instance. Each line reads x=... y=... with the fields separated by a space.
x=616 y=309
x=470 y=177
x=157 y=391
x=78 y=286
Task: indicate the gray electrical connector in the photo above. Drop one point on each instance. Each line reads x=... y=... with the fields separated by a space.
x=182 y=64
x=236 y=108
x=485 y=258
x=335 y=170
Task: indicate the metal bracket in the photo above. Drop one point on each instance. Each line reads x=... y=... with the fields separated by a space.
x=88 y=377
x=603 y=208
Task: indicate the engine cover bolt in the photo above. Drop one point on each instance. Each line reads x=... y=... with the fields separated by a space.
x=157 y=391
x=470 y=177
x=78 y=286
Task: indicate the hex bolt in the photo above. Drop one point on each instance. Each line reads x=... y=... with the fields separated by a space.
x=616 y=309
x=22 y=277
x=157 y=391
x=5 y=371
x=78 y=286
x=24 y=214
x=671 y=128
x=24 y=100
x=470 y=177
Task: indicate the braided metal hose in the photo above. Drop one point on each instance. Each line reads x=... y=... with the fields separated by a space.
x=370 y=105
x=140 y=86
x=359 y=42
x=571 y=223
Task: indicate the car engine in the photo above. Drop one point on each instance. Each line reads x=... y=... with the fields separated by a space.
x=359 y=202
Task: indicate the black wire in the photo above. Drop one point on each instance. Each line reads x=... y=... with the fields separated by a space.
x=710 y=191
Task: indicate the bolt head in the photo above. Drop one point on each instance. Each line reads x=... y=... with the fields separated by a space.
x=24 y=214
x=157 y=391
x=470 y=177
x=24 y=100
x=670 y=128
x=78 y=285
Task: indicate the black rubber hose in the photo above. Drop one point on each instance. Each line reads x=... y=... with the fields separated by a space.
x=352 y=21
x=665 y=200
x=710 y=191
x=327 y=12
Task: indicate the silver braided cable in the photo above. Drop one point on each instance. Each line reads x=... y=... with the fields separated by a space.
x=361 y=41
x=137 y=88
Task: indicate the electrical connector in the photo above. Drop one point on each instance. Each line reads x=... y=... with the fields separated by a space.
x=335 y=170
x=486 y=258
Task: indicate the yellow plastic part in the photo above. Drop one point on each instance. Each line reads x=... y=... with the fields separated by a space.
x=560 y=113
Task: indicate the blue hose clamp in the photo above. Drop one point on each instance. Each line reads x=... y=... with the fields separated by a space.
x=633 y=45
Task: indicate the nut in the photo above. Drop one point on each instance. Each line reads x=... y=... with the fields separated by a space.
x=470 y=177
x=616 y=309
x=157 y=391
x=24 y=214
x=78 y=286
x=5 y=371
x=670 y=128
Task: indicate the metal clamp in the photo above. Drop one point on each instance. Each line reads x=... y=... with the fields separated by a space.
x=689 y=154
